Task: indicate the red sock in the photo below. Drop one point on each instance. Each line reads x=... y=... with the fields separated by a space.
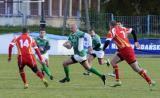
x=40 y=75
x=145 y=76
x=116 y=72
x=23 y=76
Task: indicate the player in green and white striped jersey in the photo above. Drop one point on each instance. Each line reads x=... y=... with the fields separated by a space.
x=97 y=51
x=44 y=46
x=76 y=40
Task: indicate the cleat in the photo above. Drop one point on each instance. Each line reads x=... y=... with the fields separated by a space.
x=51 y=77
x=111 y=74
x=117 y=83
x=64 y=80
x=103 y=79
x=25 y=86
x=87 y=73
x=152 y=85
x=108 y=63
x=45 y=83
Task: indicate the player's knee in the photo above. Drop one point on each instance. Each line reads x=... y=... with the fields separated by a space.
x=100 y=63
x=113 y=63
x=21 y=70
x=65 y=64
x=35 y=69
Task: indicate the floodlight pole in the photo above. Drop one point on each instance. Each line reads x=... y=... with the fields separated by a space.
x=42 y=21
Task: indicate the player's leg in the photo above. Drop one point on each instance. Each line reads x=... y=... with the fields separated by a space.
x=23 y=76
x=90 y=59
x=49 y=71
x=33 y=65
x=39 y=74
x=101 y=60
x=142 y=72
x=86 y=65
x=131 y=60
x=66 y=64
x=45 y=67
x=22 y=72
x=114 y=62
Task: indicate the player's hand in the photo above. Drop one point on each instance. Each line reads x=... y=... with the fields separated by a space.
x=41 y=49
x=43 y=60
x=67 y=45
x=137 y=45
x=9 y=59
x=90 y=50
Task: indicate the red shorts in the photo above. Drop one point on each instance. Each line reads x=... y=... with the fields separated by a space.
x=28 y=60
x=127 y=54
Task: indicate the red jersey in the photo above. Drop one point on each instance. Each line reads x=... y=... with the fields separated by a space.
x=24 y=44
x=119 y=36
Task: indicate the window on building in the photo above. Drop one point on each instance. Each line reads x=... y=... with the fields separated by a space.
x=34 y=8
x=6 y=8
x=2 y=8
x=55 y=7
x=83 y=5
x=63 y=6
x=75 y=8
x=94 y=5
x=46 y=7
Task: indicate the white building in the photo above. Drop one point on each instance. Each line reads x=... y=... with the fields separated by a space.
x=11 y=11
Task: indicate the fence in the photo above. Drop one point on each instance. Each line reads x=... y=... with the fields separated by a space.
x=149 y=24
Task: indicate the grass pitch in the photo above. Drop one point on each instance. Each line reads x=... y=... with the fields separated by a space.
x=80 y=86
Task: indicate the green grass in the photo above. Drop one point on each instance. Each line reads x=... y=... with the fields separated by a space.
x=80 y=86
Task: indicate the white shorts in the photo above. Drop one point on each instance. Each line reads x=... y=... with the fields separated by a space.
x=99 y=54
x=79 y=58
x=44 y=56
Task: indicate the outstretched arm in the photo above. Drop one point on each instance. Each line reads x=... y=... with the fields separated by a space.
x=106 y=44
x=39 y=54
x=136 y=43
x=10 y=52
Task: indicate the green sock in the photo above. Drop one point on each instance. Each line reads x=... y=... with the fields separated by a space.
x=93 y=70
x=46 y=70
x=66 y=70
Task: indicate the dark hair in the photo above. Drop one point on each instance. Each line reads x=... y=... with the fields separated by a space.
x=113 y=23
x=118 y=21
x=42 y=29
x=24 y=30
x=92 y=29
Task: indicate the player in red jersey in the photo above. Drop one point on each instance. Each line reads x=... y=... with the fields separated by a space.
x=128 y=31
x=24 y=44
x=125 y=52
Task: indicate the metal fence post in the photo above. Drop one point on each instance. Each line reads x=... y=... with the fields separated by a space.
x=148 y=24
x=112 y=17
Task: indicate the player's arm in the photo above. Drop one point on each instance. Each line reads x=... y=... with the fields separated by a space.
x=98 y=43
x=34 y=45
x=133 y=32
x=89 y=43
x=108 y=40
x=11 y=45
x=10 y=52
x=67 y=44
x=47 y=47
